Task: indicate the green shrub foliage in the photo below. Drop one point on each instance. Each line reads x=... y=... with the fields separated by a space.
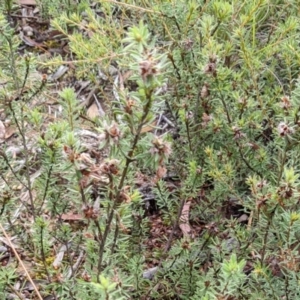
x=225 y=76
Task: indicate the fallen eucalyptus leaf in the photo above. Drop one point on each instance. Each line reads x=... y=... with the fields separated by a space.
x=149 y=274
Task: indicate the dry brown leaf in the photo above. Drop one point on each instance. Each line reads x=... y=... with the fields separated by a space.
x=93 y=111
x=59 y=257
x=243 y=218
x=9 y=132
x=28 y=41
x=148 y=128
x=72 y=217
x=184 y=221
x=161 y=171
x=127 y=75
x=62 y=70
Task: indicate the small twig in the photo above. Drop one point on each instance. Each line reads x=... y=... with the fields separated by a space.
x=216 y=28
x=74 y=267
x=59 y=257
x=21 y=263
x=168 y=121
x=89 y=99
x=158 y=122
x=100 y=109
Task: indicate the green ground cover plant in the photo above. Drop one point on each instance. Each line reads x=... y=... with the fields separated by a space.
x=184 y=184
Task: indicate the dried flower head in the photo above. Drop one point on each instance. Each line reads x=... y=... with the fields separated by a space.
x=110 y=167
x=161 y=172
x=242 y=101
x=238 y=134
x=189 y=115
x=206 y=119
x=86 y=277
x=112 y=131
x=262 y=200
x=286 y=191
x=253 y=146
x=205 y=91
x=86 y=159
x=148 y=67
x=124 y=196
x=212 y=228
x=284 y=129
x=44 y=77
x=211 y=69
x=160 y=147
x=85 y=180
x=188 y=44
x=129 y=105
x=90 y=212
x=285 y=102
x=261 y=184
x=71 y=154
x=213 y=58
